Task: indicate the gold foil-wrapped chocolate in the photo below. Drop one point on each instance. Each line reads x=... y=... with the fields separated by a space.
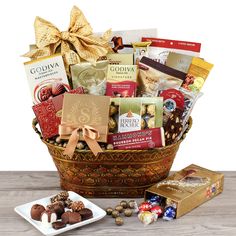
x=143 y=109
x=143 y=124
x=112 y=124
x=151 y=122
x=151 y=109
x=113 y=110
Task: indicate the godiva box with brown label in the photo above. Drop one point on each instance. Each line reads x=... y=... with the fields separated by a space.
x=187 y=189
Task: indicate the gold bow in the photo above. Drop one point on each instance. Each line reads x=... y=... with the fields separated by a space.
x=76 y=44
x=90 y=135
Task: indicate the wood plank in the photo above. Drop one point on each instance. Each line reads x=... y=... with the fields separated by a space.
x=216 y=217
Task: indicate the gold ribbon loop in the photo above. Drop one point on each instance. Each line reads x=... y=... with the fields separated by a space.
x=90 y=136
x=79 y=36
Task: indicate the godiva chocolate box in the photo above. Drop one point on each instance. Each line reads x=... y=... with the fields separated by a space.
x=188 y=188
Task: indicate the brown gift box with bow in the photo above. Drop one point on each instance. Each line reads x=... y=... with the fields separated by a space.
x=188 y=188
x=84 y=117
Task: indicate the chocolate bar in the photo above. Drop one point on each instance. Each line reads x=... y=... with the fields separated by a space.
x=142 y=139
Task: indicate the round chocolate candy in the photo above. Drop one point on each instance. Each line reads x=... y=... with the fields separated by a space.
x=131 y=204
x=157 y=210
x=119 y=221
x=80 y=145
x=124 y=204
x=147 y=217
x=109 y=210
x=128 y=212
x=36 y=211
x=109 y=146
x=170 y=202
x=119 y=208
x=62 y=196
x=155 y=200
x=115 y=213
x=58 y=140
x=169 y=213
x=77 y=206
x=145 y=206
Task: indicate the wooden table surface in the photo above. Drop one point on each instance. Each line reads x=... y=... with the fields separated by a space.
x=216 y=217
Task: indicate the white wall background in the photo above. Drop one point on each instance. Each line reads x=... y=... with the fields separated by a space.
x=211 y=141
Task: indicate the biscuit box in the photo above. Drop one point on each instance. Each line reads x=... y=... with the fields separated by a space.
x=187 y=189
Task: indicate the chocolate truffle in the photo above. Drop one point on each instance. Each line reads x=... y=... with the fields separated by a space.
x=86 y=214
x=48 y=217
x=68 y=203
x=62 y=196
x=77 y=205
x=58 y=208
x=36 y=211
x=58 y=225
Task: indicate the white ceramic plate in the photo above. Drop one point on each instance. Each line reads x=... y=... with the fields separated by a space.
x=24 y=211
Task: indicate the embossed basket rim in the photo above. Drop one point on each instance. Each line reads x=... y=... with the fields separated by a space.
x=35 y=123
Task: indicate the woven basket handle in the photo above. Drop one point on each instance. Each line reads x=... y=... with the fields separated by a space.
x=34 y=124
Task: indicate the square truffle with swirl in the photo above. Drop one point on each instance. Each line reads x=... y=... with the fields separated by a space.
x=81 y=111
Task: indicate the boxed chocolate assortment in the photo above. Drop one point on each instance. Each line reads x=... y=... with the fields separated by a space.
x=120 y=133
x=185 y=190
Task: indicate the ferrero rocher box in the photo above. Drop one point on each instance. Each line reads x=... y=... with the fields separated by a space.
x=188 y=188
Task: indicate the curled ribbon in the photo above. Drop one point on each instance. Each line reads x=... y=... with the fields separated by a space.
x=76 y=44
x=90 y=136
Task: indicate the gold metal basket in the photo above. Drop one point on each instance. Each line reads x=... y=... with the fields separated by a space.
x=113 y=173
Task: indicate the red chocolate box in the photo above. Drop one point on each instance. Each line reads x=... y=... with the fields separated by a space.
x=141 y=139
x=48 y=114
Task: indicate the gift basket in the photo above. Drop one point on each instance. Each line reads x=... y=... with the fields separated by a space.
x=112 y=108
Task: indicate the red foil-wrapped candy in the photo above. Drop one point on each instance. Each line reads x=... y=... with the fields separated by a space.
x=157 y=210
x=145 y=206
